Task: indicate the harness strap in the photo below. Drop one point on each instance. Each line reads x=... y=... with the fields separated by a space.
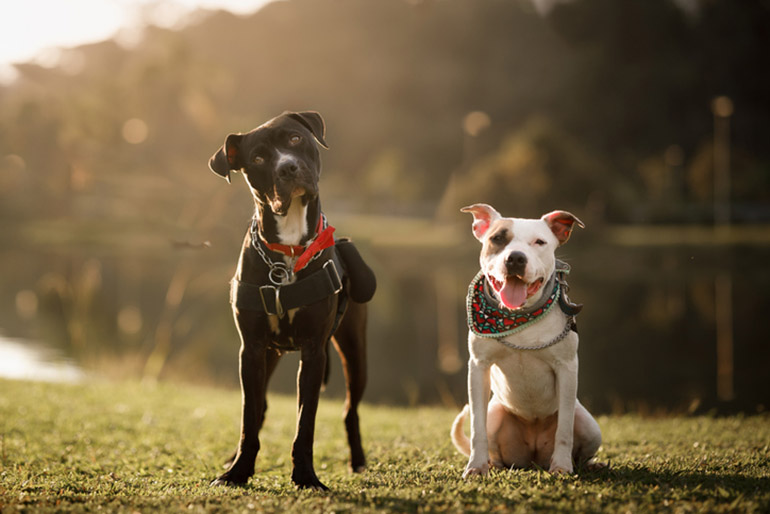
x=277 y=300
x=342 y=304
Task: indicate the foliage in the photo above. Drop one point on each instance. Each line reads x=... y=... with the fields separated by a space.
x=126 y=447
x=622 y=81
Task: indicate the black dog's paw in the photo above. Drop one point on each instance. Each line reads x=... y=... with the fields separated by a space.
x=308 y=481
x=315 y=486
x=357 y=462
x=229 y=479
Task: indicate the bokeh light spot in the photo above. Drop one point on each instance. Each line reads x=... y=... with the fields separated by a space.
x=135 y=131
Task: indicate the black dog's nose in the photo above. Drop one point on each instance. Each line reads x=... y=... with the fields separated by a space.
x=516 y=263
x=287 y=170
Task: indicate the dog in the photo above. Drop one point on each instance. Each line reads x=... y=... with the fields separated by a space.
x=294 y=288
x=523 y=345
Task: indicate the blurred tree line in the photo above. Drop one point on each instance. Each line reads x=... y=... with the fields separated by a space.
x=601 y=106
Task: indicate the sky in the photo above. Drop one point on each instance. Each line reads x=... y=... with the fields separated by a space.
x=31 y=30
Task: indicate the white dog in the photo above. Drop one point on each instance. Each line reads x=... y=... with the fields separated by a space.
x=523 y=343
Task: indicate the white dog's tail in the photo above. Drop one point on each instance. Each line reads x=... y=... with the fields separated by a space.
x=460 y=440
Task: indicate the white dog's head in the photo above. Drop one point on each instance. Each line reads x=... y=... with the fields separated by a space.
x=517 y=256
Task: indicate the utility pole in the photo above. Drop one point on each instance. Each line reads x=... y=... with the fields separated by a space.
x=722 y=107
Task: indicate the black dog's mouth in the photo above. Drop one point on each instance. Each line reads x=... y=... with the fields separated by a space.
x=282 y=201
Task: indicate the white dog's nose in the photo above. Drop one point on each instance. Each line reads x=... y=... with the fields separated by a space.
x=516 y=263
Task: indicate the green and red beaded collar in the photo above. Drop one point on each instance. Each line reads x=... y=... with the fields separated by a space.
x=487 y=319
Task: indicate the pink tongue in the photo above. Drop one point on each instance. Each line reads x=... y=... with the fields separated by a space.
x=513 y=293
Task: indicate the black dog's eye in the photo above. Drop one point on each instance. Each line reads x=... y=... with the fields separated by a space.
x=539 y=242
x=295 y=139
x=259 y=160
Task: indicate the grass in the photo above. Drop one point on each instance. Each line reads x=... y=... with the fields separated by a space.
x=128 y=447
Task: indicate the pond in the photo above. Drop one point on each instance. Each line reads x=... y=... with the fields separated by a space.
x=25 y=360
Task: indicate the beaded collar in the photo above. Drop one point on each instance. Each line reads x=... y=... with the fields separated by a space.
x=486 y=319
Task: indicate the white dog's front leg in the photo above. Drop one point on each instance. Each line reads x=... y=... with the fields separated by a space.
x=566 y=382
x=478 y=399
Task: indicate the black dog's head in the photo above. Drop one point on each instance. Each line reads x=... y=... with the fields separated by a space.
x=279 y=159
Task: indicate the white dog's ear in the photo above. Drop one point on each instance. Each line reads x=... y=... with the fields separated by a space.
x=561 y=223
x=483 y=216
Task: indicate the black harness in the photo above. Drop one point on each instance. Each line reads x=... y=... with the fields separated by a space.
x=277 y=299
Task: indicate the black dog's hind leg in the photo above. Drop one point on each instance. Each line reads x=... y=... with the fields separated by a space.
x=350 y=341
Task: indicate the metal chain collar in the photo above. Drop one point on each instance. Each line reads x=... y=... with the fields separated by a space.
x=280 y=273
x=570 y=324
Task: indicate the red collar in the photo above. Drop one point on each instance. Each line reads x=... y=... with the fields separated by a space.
x=323 y=239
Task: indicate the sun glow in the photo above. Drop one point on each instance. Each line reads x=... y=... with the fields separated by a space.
x=37 y=30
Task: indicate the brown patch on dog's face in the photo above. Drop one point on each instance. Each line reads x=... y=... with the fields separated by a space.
x=496 y=239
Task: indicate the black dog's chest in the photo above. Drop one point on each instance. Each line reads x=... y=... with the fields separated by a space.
x=298 y=326
x=286 y=333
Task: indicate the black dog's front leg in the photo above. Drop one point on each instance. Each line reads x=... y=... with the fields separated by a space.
x=311 y=371
x=253 y=372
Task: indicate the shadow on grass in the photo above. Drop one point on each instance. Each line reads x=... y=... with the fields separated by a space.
x=536 y=489
x=687 y=480
x=539 y=489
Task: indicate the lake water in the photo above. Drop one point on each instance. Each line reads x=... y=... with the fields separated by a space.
x=649 y=330
x=25 y=360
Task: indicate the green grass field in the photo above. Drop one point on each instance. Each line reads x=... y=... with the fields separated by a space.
x=127 y=447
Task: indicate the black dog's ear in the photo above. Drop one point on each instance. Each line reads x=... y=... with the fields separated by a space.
x=313 y=122
x=228 y=157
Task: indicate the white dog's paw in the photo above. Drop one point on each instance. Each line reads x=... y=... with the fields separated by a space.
x=595 y=465
x=474 y=470
x=561 y=468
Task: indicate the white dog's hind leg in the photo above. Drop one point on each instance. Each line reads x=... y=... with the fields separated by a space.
x=496 y=418
x=588 y=439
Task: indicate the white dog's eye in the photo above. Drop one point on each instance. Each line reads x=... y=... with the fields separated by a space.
x=499 y=238
x=259 y=160
x=295 y=139
x=539 y=242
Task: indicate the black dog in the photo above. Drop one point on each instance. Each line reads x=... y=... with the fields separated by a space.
x=295 y=288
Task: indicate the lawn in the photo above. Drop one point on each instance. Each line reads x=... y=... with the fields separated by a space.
x=128 y=447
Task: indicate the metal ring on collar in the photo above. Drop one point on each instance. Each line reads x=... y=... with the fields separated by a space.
x=279 y=274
